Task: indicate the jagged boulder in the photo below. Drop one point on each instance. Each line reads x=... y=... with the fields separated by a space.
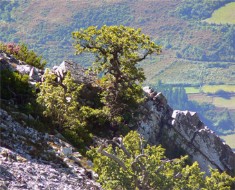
x=77 y=71
x=183 y=130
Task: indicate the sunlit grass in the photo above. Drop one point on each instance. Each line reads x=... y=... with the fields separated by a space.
x=223 y=15
x=210 y=89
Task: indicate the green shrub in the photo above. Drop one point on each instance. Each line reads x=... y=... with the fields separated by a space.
x=14 y=86
x=129 y=163
x=22 y=53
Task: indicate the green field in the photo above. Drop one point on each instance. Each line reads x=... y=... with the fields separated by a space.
x=194 y=93
x=215 y=100
x=230 y=140
x=214 y=88
x=210 y=89
x=223 y=15
x=200 y=98
x=192 y=90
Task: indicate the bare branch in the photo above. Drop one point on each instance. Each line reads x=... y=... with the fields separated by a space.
x=119 y=143
x=111 y=156
x=141 y=183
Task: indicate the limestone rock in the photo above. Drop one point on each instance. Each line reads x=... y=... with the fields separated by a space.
x=10 y=63
x=33 y=160
x=78 y=73
x=183 y=130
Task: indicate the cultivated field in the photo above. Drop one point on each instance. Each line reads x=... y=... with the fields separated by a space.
x=224 y=103
x=215 y=88
x=201 y=95
x=224 y=15
x=230 y=140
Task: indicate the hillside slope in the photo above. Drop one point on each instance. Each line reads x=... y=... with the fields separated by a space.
x=33 y=159
x=47 y=27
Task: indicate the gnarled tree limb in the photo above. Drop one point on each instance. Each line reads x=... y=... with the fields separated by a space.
x=111 y=156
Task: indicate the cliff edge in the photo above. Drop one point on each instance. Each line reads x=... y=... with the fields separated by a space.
x=184 y=132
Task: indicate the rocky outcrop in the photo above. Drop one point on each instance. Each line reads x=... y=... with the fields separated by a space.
x=183 y=131
x=9 y=62
x=77 y=71
x=180 y=132
x=33 y=160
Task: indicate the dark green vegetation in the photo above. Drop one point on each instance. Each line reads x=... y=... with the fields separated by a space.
x=14 y=86
x=7 y=8
x=130 y=163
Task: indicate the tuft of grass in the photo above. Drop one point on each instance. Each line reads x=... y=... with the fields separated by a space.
x=223 y=15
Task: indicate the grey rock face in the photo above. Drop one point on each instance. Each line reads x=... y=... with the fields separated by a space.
x=184 y=130
x=33 y=160
x=78 y=73
x=10 y=63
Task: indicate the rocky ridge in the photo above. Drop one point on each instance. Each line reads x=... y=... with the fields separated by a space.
x=33 y=160
x=184 y=131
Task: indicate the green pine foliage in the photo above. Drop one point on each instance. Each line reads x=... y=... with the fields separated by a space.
x=117 y=51
x=15 y=87
x=63 y=103
x=130 y=163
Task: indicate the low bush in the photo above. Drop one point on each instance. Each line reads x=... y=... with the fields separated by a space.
x=21 y=52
